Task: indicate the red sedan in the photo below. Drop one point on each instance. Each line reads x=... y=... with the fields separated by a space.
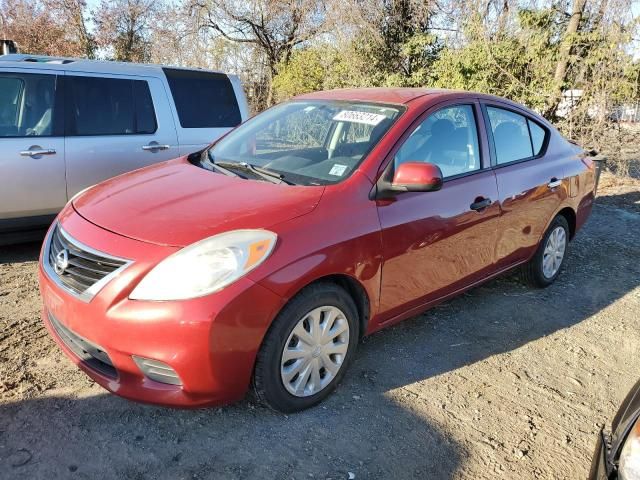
x=263 y=260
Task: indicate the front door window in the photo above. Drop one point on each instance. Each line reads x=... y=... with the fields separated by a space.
x=447 y=138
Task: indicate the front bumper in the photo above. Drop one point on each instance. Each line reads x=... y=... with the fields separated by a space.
x=210 y=342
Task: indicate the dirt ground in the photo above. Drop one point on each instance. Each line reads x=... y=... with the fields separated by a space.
x=503 y=382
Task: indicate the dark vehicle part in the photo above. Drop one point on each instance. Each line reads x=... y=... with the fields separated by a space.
x=600 y=163
x=616 y=455
x=7 y=47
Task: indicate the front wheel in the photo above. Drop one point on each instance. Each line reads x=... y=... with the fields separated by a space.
x=545 y=266
x=308 y=348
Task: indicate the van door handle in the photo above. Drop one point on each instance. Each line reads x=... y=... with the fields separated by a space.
x=480 y=204
x=37 y=153
x=554 y=183
x=154 y=147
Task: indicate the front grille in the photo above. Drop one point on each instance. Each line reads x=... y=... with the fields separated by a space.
x=89 y=353
x=77 y=267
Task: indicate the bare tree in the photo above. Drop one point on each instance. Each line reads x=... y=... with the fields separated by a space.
x=124 y=27
x=73 y=11
x=564 y=54
x=37 y=28
x=275 y=27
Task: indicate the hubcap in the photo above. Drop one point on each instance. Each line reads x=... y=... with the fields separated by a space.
x=314 y=351
x=554 y=252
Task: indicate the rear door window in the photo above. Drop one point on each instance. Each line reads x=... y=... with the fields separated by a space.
x=108 y=106
x=203 y=99
x=28 y=105
x=515 y=136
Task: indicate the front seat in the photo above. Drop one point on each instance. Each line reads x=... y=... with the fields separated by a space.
x=435 y=148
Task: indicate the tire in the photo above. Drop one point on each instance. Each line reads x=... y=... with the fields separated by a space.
x=326 y=301
x=534 y=273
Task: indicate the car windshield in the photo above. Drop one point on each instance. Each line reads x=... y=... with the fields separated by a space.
x=304 y=142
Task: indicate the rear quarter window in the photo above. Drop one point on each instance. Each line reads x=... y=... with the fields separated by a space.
x=538 y=135
x=203 y=99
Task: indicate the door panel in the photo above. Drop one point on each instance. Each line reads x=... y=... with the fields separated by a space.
x=528 y=204
x=31 y=185
x=434 y=243
x=530 y=181
x=32 y=162
x=111 y=127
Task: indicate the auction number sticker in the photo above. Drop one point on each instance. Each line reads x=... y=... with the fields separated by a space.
x=337 y=170
x=359 y=117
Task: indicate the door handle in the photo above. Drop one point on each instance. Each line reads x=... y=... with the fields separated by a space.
x=554 y=183
x=480 y=204
x=37 y=153
x=154 y=147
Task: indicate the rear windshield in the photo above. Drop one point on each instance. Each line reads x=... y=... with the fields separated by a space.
x=203 y=99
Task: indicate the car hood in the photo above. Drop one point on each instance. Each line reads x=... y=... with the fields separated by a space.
x=176 y=203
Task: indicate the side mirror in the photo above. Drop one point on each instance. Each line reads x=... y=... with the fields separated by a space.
x=417 y=177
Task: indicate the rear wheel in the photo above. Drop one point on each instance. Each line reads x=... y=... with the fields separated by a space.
x=546 y=264
x=307 y=349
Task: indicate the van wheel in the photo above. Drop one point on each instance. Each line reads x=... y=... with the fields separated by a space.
x=308 y=349
x=546 y=264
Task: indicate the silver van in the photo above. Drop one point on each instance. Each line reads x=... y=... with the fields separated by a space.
x=66 y=124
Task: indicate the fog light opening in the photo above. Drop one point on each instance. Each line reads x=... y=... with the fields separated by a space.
x=157 y=371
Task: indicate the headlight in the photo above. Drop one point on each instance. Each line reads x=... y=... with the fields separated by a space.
x=629 y=463
x=206 y=266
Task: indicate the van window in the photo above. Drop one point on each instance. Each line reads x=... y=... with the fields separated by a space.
x=145 y=114
x=203 y=99
x=108 y=106
x=27 y=105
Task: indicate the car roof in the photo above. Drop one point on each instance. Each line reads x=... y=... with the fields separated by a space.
x=381 y=95
x=404 y=95
x=84 y=65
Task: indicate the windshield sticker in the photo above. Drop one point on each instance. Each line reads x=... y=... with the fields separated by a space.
x=359 y=117
x=337 y=170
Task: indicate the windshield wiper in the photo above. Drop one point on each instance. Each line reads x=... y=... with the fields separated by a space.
x=225 y=171
x=207 y=163
x=261 y=172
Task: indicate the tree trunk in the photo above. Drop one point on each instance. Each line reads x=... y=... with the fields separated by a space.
x=503 y=17
x=600 y=15
x=564 y=55
x=75 y=10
